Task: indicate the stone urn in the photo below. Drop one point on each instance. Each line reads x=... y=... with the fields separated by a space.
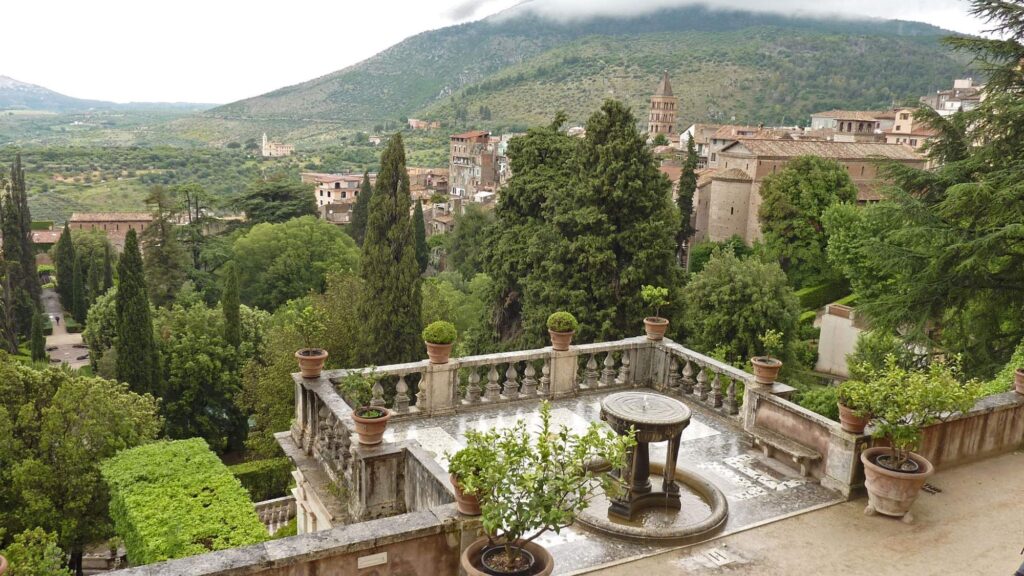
x=766 y=369
x=371 y=422
x=655 y=326
x=472 y=560
x=468 y=504
x=890 y=492
x=850 y=421
x=560 y=341
x=1018 y=380
x=311 y=361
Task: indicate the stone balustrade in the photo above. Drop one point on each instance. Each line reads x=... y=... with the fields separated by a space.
x=277 y=513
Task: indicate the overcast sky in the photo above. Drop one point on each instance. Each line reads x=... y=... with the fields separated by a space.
x=219 y=51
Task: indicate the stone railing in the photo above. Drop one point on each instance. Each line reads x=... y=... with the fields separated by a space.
x=276 y=513
x=703 y=379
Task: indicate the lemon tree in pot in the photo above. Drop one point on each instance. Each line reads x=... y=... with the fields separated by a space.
x=902 y=402
x=767 y=366
x=852 y=398
x=310 y=326
x=561 y=327
x=370 y=421
x=527 y=485
x=655 y=297
x=439 y=337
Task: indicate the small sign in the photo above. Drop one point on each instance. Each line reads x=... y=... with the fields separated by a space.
x=372 y=560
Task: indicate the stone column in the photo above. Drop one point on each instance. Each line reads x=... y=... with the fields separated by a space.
x=563 y=373
x=437 y=385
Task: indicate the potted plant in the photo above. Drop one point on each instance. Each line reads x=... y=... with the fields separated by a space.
x=655 y=297
x=469 y=462
x=1018 y=380
x=852 y=396
x=439 y=337
x=901 y=403
x=561 y=327
x=311 y=328
x=530 y=484
x=370 y=421
x=767 y=366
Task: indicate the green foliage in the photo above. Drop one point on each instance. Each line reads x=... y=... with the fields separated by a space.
x=772 y=342
x=440 y=332
x=687 y=188
x=529 y=484
x=701 y=252
x=277 y=198
x=310 y=325
x=855 y=395
x=389 y=310
x=468 y=240
x=732 y=302
x=38 y=340
x=562 y=322
x=72 y=326
x=873 y=350
x=812 y=298
x=361 y=211
x=1003 y=381
x=793 y=202
x=357 y=387
x=821 y=400
x=166 y=262
x=654 y=297
x=79 y=291
x=448 y=297
x=101 y=328
x=177 y=499
x=230 y=307
x=279 y=262
x=289 y=529
x=660 y=140
x=137 y=361
x=420 y=235
x=264 y=479
x=35 y=553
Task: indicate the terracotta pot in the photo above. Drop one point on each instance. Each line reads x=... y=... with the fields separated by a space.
x=850 y=421
x=766 y=369
x=438 y=353
x=543 y=565
x=370 y=430
x=3 y=565
x=656 y=326
x=311 y=361
x=468 y=503
x=560 y=341
x=890 y=492
x=1018 y=380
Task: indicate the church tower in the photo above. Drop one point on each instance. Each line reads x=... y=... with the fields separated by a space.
x=662 y=118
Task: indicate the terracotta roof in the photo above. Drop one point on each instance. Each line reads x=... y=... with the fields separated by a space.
x=111 y=217
x=734 y=174
x=673 y=172
x=858 y=115
x=46 y=236
x=471 y=134
x=839 y=150
x=704 y=175
x=664 y=87
x=728 y=131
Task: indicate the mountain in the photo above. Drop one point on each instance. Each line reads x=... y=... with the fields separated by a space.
x=17 y=95
x=725 y=64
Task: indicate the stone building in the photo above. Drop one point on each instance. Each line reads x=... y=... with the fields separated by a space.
x=335 y=188
x=270 y=149
x=908 y=131
x=853 y=125
x=472 y=163
x=965 y=95
x=115 y=224
x=728 y=197
x=664 y=106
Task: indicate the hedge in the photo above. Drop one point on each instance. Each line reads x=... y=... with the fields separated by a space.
x=814 y=297
x=47 y=326
x=72 y=326
x=264 y=479
x=173 y=499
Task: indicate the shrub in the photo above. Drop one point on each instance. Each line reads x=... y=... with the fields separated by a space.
x=562 y=322
x=814 y=297
x=821 y=400
x=310 y=325
x=174 y=499
x=290 y=529
x=357 y=387
x=655 y=297
x=440 y=332
x=264 y=479
x=35 y=553
x=72 y=326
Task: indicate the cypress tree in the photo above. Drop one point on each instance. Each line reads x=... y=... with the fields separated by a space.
x=389 y=308
x=38 y=346
x=137 y=362
x=684 y=199
x=420 y=232
x=30 y=279
x=12 y=252
x=80 y=294
x=8 y=330
x=108 y=269
x=166 y=262
x=361 y=211
x=64 y=262
x=229 y=304
x=94 y=282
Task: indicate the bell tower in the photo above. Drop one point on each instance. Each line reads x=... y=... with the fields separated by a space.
x=662 y=118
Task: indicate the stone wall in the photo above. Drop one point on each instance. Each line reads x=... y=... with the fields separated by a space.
x=995 y=425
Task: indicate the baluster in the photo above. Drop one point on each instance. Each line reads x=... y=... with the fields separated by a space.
x=510 y=387
x=377 y=400
x=716 y=392
x=421 y=395
x=545 y=378
x=608 y=373
x=674 y=379
x=492 y=392
x=401 y=395
x=473 y=388
x=701 y=389
x=590 y=374
x=529 y=381
x=623 y=377
x=687 y=382
x=730 y=398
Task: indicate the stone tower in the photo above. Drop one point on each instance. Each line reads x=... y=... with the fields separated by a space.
x=662 y=119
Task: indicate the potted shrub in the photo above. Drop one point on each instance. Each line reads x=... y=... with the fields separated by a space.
x=311 y=328
x=561 y=327
x=1018 y=380
x=851 y=397
x=655 y=297
x=767 y=366
x=901 y=403
x=528 y=485
x=439 y=337
x=469 y=462
x=370 y=421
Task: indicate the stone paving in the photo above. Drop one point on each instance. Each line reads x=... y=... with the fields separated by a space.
x=63 y=347
x=757 y=490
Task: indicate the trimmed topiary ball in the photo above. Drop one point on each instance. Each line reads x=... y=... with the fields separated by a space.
x=562 y=322
x=440 y=332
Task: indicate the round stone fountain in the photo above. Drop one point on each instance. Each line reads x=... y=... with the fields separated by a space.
x=683 y=505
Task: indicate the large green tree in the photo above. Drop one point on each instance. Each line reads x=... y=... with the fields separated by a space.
x=389 y=310
x=230 y=304
x=37 y=343
x=80 y=289
x=684 y=196
x=21 y=301
x=420 y=234
x=166 y=262
x=361 y=211
x=64 y=263
x=137 y=361
x=793 y=201
x=469 y=239
x=277 y=198
x=18 y=245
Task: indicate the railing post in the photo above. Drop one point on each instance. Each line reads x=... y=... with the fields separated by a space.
x=563 y=373
x=437 y=384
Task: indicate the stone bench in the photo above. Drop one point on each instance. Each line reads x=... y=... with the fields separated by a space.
x=770 y=441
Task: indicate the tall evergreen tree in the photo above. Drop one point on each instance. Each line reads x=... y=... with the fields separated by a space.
x=420 y=232
x=389 y=308
x=30 y=280
x=137 y=360
x=108 y=269
x=80 y=290
x=684 y=197
x=361 y=211
x=64 y=262
x=94 y=281
x=166 y=262
x=12 y=252
x=38 y=341
x=8 y=326
x=230 y=306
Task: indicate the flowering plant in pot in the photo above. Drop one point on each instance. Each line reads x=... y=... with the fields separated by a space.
x=529 y=484
x=655 y=297
x=852 y=397
x=311 y=357
x=902 y=402
x=370 y=421
x=439 y=337
x=562 y=326
x=767 y=366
